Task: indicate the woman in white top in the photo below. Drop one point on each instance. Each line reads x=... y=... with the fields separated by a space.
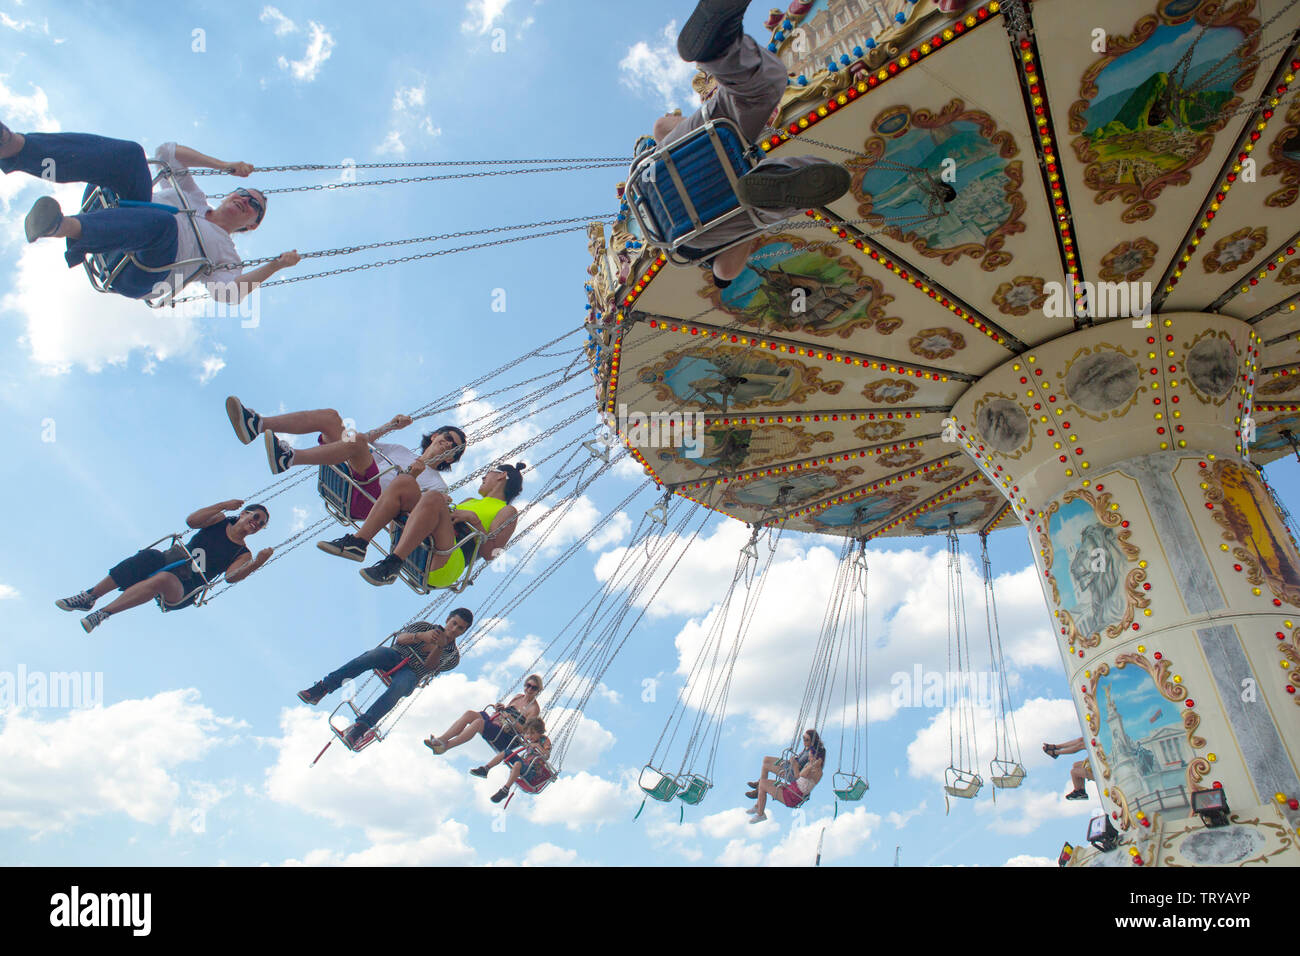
x=792 y=793
x=155 y=237
x=367 y=460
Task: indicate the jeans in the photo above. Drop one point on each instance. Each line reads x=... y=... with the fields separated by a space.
x=402 y=682
x=116 y=164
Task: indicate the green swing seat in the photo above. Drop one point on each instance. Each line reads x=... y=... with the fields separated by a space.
x=660 y=787
x=850 y=787
x=695 y=789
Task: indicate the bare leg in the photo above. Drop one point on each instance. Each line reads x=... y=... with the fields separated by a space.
x=429 y=517
x=13 y=145
x=764 y=788
x=400 y=496
x=731 y=263
x=329 y=424
x=1080 y=772
x=324 y=420
x=494 y=761
x=163 y=583
x=464 y=729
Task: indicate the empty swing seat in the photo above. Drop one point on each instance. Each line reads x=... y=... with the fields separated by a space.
x=962 y=783
x=850 y=787
x=104 y=270
x=695 y=789
x=658 y=785
x=1006 y=774
x=680 y=191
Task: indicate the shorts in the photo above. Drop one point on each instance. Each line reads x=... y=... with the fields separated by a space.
x=144 y=564
x=792 y=796
x=457 y=561
x=367 y=483
x=500 y=740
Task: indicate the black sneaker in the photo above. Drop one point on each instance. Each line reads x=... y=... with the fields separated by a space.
x=479 y=772
x=794 y=188
x=349 y=546
x=358 y=735
x=278 y=454
x=44 y=219
x=82 y=601
x=314 y=694
x=714 y=26
x=385 y=572
x=93 y=620
x=500 y=794
x=246 y=422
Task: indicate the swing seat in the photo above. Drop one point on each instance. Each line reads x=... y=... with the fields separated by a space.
x=196 y=596
x=1006 y=774
x=536 y=776
x=341 y=727
x=659 y=786
x=678 y=192
x=695 y=789
x=850 y=787
x=416 y=568
x=104 y=269
x=962 y=783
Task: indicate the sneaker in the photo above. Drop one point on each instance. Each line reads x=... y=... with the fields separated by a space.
x=803 y=187
x=246 y=422
x=500 y=794
x=44 y=219
x=279 y=454
x=714 y=26
x=314 y=694
x=479 y=772
x=1077 y=795
x=758 y=818
x=751 y=795
x=383 y=573
x=357 y=736
x=81 y=601
x=93 y=620
x=349 y=546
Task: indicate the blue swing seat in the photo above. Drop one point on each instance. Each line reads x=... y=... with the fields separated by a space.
x=678 y=192
x=104 y=269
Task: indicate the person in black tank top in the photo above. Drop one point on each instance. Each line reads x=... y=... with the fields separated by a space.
x=174 y=575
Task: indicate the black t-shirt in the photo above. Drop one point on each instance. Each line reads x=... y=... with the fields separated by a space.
x=213 y=551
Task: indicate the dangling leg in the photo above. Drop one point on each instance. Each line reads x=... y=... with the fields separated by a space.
x=515 y=769
x=164 y=584
x=469 y=725
x=430 y=516
x=115 y=164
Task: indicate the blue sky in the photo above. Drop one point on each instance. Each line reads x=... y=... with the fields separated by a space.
x=199 y=753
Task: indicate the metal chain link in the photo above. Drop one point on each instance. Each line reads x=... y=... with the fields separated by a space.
x=431 y=179
x=321 y=167
x=349 y=250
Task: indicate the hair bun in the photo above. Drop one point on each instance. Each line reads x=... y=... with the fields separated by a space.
x=520 y=467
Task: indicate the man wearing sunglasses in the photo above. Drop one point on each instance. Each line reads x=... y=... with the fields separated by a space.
x=174 y=575
x=156 y=237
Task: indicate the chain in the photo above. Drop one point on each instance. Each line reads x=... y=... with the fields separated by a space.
x=349 y=250
x=320 y=167
x=431 y=179
x=391 y=262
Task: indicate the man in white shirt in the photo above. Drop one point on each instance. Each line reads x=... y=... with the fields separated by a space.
x=387 y=479
x=156 y=237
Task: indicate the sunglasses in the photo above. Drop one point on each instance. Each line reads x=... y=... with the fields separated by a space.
x=532 y=687
x=257 y=204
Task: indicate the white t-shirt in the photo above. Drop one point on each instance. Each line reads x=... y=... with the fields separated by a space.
x=217 y=243
x=429 y=480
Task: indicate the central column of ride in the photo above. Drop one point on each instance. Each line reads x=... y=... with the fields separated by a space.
x=1173 y=581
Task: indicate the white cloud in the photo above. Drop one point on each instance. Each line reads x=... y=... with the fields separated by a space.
x=8 y=592
x=392 y=145
x=1025 y=860
x=899 y=820
x=118 y=759
x=447 y=845
x=408 y=97
x=210 y=366
x=1019 y=812
x=281 y=24
x=483 y=15
x=660 y=70
x=300 y=516
x=544 y=854
x=22 y=112
x=578 y=800
x=320 y=45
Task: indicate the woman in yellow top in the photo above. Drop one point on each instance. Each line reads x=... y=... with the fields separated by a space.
x=489 y=514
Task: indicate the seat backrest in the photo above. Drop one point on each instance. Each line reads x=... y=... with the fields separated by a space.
x=696 y=161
